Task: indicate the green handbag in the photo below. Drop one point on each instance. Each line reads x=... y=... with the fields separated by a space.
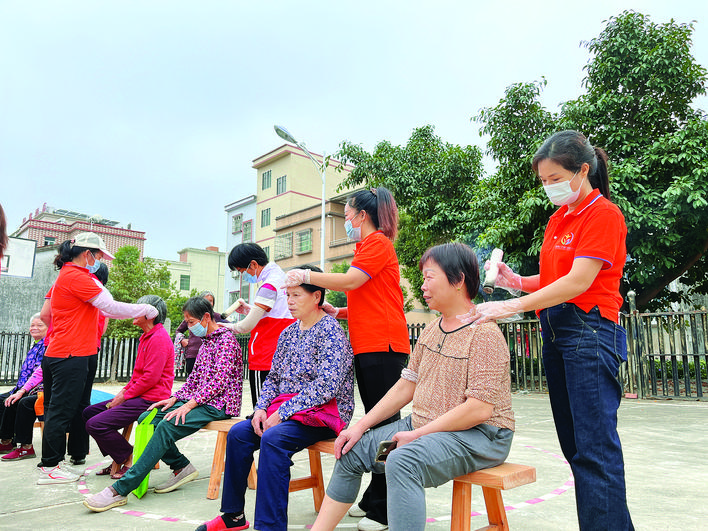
x=143 y=432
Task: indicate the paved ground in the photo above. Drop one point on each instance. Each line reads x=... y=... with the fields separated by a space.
x=666 y=466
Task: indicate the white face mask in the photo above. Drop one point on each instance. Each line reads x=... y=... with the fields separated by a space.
x=561 y=193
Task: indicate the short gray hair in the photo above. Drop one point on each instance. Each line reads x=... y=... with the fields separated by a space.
x=158 y=304
x=35 y=316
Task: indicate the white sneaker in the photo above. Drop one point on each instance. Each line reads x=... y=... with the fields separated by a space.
x=367 y=524
x=356 y=511
x=185 y=475
x=76 y=470
x=49 y=475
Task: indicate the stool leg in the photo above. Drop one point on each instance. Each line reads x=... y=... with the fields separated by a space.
x=318 y=491
x=496 y=513
x=253 y=477
x=461 y=506
x=217 y=466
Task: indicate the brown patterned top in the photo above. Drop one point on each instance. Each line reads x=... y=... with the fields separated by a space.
x=449 y=367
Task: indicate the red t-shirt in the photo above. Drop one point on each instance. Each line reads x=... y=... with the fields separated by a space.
x=595 y=229
x=74 y=319
x=375 y=309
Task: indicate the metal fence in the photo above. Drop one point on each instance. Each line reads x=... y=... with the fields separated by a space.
x=667 y=355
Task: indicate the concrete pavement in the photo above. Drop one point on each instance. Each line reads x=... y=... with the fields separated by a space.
x=666 y=466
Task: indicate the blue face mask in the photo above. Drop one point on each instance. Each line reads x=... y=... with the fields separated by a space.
x=353 y=233
x=248 y=277
x=198 y=330
x=95 y=267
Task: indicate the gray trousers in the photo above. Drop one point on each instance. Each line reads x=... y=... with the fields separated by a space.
x=429 y=461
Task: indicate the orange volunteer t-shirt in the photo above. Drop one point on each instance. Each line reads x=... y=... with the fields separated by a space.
x=74 y=319
x=597 y=230
x=375 y=310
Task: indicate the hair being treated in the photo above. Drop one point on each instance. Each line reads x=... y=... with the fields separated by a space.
x=157 y=303
x=68 y=251
x=458 y=262
x=197 y=307
x=311 y=288
x=571 y=149
x=380 y=206
x=244 y=253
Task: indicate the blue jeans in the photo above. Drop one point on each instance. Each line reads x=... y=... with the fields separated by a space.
x=582 y=353
x=277 y=446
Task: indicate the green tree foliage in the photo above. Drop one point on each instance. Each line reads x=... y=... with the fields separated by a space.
x=338 y=299
x=641 y=80
x=433 y=184
x=129 y=279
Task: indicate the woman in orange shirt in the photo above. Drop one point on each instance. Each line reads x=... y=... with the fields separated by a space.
x=377 y=325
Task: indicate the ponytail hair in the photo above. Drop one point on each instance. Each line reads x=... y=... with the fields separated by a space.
x=68 y=251
x=380 y=206
x=571 y=149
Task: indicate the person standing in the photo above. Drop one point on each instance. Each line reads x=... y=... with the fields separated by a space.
x=577 y=298
x=268 y=316
x=73 y=312
x=377 y=324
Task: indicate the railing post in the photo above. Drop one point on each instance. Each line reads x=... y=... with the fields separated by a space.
x=634 y=347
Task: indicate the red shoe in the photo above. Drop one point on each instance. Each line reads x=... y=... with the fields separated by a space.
x=217 y=524
x=6 y=448
x=19 y=453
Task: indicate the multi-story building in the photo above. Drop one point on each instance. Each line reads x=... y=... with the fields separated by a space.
x=51 y=226
x=199 y=269
x=240 y=216
x=287 y=182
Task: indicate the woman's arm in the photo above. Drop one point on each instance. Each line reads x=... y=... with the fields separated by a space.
x=121 y=310
x=354 y=278
x=46 y=312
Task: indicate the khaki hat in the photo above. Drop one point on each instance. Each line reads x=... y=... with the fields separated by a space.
x=91 y=240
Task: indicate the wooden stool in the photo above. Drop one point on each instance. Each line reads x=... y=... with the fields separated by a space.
x=492 y=480
x=314 y=481
x=219 y=461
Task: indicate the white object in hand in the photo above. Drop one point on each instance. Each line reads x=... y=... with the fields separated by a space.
x=231 y=309
x=491 y=277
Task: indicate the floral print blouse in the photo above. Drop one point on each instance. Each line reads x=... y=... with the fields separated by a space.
x=32 y=361
x=317 y=364
x=217 y=378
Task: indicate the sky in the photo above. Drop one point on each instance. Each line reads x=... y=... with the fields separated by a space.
x=151 y=112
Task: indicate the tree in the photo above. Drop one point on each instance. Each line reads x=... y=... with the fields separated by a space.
x=129 y=279
x=433 y=184
x=641 y=80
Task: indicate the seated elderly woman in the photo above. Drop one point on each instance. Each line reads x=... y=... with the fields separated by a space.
x=458 y=381
x=17 y=405
x=150 y=382
x=308 y=396
x=212 y=392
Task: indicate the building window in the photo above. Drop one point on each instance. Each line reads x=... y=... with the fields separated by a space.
x=265 y=180
x=283 y=246
x=236 y=223
x=303 y=241
x=49 y=240
x=266 y=250
x=265 y=217
x=184 y=282
x=245 y=290
x=233 y=296
x=247 y=231
x=281 y=185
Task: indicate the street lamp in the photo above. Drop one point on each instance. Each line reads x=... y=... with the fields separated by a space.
x=285 y=135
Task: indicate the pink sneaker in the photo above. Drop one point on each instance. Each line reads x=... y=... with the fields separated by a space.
x=19 y=453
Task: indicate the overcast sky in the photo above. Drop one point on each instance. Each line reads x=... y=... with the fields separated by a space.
x=151 y=112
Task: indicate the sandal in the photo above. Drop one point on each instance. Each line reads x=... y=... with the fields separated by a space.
x=119 y=474
x=105 y=471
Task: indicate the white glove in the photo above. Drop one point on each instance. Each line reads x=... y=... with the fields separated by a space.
x=329 y=309
x=506 y=278
x=297 y=277
x=491 y=311
x=244 y=308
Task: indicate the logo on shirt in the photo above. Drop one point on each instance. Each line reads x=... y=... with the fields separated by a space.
x=567 y=239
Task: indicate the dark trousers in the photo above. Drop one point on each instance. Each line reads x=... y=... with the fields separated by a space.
x=581 y=356
x=103 y=424
x=277 y=446
x=24 y=419
x=189 y=365
x=376 y=373
x=256 y=379
x=7 y=417
x=67 y=392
